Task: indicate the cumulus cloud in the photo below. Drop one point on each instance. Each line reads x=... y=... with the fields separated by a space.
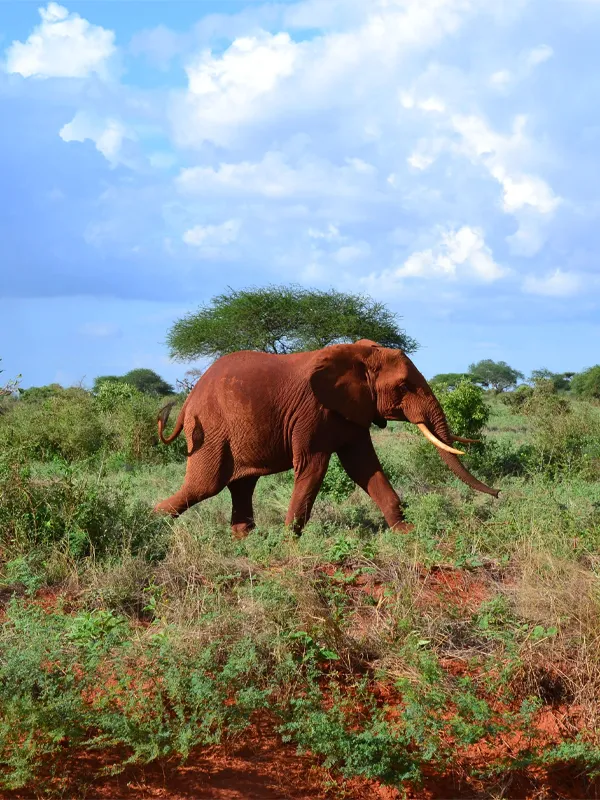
x=212 y=235
x=459 y=254
x=107 y=134
x=555 y=284
x=265 y=76
x=525 y=196
x=224 y=91
x=497 y=154
x=63 y=45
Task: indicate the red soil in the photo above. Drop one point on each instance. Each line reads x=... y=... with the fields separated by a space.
x=259 y=766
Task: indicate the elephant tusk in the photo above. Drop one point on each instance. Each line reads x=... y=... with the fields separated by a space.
x=464 y=439
x=434 y=440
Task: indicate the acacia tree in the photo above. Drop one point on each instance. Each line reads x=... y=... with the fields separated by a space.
x=283 y=319
x=496 y=374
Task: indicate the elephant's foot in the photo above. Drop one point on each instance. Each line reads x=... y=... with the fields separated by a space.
x=241 y=529
x=403 y=527
x=166 y=509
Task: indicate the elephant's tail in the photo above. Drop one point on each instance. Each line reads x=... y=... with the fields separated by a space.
x=163 y=417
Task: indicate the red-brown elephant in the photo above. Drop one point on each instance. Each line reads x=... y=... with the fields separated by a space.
x=254 y=414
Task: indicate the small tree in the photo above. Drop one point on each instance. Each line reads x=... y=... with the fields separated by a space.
x=465 y=408
x=144 y=380
x=283 y=319
x=448 y=380
x=496 y=374
x=147 y=381
x=586 y=384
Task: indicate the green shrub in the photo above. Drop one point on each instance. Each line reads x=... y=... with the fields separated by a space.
x=496 y=459
x=74 y=424
x=465 y=408
x=516 y=399
x=337 y=484
x=564 y=437
x=587 y=384
x=64 y=425
x=76 y=512
x=90 y=682
x=111 y=394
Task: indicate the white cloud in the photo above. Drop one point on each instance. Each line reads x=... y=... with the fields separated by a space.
x=499 y=154
x=501 y=157
x=273 y=177
x=460 y=253
x=539 y=54
x=224 y=91
x=554 y=284
x=331 y=232
x=64 y=45
x=265 y=76
x=504 y=79
x=351 y=253
x=107 y=134
x=212 y=235
x=525 y=190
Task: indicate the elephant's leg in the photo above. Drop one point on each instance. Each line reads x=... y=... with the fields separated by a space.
x=205 y=477
x=309 y=474
x=242 y=515
x=360 y=461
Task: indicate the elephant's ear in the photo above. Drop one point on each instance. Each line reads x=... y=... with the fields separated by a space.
x=339 y=381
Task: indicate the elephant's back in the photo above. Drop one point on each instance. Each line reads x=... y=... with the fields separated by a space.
x=251 y=398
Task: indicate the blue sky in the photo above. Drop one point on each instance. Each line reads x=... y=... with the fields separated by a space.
x=440 y=155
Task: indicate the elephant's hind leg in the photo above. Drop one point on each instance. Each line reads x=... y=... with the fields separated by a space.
x=206 y=475
x=242 y=514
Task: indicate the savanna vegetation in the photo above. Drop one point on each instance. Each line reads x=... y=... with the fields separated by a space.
x=468 y=649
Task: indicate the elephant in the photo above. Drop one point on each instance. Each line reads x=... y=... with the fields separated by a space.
x=253 y=413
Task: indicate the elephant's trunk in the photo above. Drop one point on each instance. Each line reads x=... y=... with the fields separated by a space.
x=438 y=423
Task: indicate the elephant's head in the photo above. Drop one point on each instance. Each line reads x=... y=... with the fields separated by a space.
x=367 y=383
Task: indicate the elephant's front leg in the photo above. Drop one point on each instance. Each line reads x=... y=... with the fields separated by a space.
x=360 y=461
x=309 y=472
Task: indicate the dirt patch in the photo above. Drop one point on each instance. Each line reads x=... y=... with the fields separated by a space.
x=259 y=766
x=447 y=586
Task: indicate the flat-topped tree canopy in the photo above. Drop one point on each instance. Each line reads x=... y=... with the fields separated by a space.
x=283 y=319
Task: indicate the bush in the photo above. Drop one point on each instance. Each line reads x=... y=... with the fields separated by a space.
x=515 y=400
x=74 y=424
x=337 y=484
x=76 y=513
x=564 y=437
x=465 y=409
x=65 y=425
x=88 y=681
x=587 y=384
